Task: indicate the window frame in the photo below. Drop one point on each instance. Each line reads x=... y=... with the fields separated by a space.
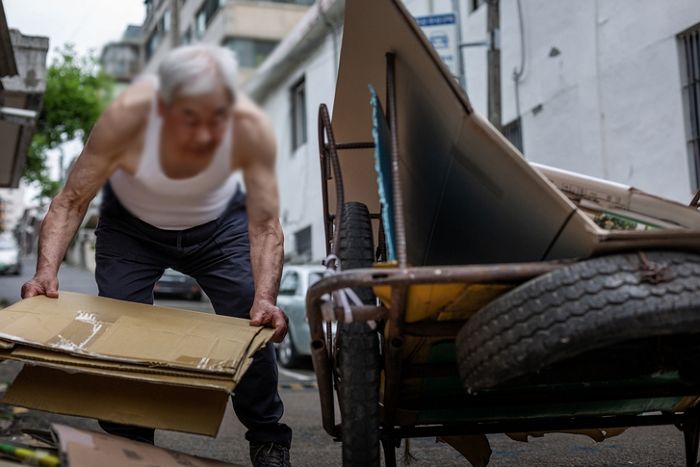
x=299 y=117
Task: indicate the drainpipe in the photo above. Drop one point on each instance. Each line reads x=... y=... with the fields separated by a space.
x=333 y=31
x=493 y=61
x=519 y=72
x=175 y=23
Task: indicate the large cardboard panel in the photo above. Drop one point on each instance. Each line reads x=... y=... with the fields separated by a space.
x=81 y=448
x=141 y=403
x=70 y=364
x=119 y=331
x=465 y=189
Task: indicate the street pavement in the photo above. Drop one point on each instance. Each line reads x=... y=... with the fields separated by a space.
x=653 y=446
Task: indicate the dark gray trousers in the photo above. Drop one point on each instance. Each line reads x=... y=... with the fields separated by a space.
x=131 y=255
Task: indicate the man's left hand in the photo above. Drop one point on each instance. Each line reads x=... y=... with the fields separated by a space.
x=265 y=313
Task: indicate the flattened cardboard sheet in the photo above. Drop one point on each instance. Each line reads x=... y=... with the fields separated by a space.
x=71 y=364
x=120 y=331
x=81 y=448
x=141 y=403
x=126 y=362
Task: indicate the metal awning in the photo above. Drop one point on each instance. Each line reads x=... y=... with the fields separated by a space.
x=22 y=85
x=8 y=66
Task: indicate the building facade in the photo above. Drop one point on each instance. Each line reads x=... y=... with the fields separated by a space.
x=122 y=59
x=605 y=88
x=298 y=77
x=251 y=28
x=22 y=86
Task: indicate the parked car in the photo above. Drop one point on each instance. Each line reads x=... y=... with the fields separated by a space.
x=176 y=284
x=292 y=299
x=10 y=258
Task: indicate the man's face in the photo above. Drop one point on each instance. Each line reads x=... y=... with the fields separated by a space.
x=197 y=124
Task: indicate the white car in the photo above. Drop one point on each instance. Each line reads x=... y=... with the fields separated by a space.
x=10 y=258
x=292 y=300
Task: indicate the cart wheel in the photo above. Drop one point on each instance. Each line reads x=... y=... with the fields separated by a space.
x=691 y=435
x=358 y=350
x=579 y=308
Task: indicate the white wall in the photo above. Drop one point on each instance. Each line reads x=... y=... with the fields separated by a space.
x=609 y=103
x=299 y=172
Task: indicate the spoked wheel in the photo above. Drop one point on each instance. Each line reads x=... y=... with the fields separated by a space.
x=358 y=350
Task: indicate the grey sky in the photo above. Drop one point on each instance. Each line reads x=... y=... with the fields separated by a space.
x=87 y=24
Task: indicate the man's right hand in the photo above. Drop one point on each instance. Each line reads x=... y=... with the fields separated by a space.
x=39 y=285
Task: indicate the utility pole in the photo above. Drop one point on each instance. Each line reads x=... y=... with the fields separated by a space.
x=493 y=62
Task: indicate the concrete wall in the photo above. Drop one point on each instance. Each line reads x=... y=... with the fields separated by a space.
x=601 y=89
x=261 y=20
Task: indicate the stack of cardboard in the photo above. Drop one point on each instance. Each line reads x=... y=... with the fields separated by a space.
x=126 y=362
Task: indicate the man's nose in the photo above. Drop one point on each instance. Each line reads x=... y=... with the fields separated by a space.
x=203 y=135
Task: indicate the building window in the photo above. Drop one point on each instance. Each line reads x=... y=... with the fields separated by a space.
x=250 y=52
x=690 y=80
x=302 y=244
x=152 y=43
x=475 y=4
x=514 y=133
x=200 y=24
x=165 y=22
x=298 y=98
x=205 y=15
x=187 y=36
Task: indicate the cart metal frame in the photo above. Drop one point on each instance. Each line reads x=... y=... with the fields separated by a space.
x=400 y=279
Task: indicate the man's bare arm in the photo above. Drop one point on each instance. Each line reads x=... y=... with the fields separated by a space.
x=265 y=231
x=98 y=160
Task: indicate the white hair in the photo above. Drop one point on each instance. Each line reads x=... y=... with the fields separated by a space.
x=197 y=69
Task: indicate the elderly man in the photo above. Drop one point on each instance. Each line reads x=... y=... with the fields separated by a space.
x=166 y=151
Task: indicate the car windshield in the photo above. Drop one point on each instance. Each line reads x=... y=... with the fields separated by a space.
x=314 y=277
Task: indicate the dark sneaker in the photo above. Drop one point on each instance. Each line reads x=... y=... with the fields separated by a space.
x=269 y=455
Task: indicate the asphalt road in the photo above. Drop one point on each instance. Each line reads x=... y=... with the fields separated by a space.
x=654 y=446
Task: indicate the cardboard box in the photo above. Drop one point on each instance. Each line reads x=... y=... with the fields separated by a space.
x=80 y=448
x=126 y=362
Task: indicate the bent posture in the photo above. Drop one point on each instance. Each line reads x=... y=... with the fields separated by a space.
x=166 y=151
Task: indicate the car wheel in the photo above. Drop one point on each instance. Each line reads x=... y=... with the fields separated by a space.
x=577 y=309
x=195 y=296
x=358 y=350
x=287 y=355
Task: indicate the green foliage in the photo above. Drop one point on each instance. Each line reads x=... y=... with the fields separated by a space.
x=77 y=91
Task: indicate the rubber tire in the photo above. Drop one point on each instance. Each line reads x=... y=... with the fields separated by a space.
x=358 y=350
x=294 y=357
x=586 y=306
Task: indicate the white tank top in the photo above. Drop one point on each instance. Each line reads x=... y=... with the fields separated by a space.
x=175 y=204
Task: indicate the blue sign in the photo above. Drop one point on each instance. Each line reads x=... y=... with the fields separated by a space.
x=436 y=20
x=441 y=31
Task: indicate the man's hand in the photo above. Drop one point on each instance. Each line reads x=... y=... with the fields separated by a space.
x=41 y=285
x=264 y=313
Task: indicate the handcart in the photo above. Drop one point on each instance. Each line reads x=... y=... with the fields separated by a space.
x=475 y=292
